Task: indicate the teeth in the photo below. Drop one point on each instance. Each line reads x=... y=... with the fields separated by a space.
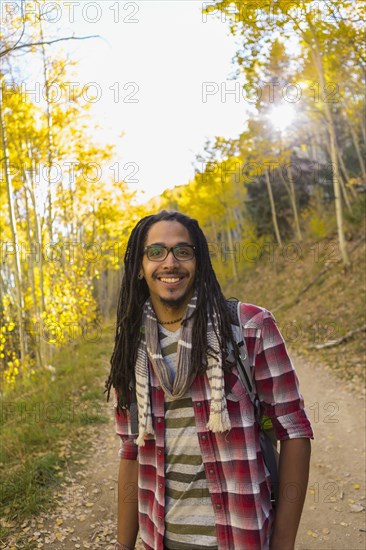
x=169 y=280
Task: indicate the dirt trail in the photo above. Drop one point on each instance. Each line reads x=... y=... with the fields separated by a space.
x=334 y=515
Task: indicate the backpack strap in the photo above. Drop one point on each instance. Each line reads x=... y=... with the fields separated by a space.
x=244 y=370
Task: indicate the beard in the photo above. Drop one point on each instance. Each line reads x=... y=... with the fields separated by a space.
x=177 y=303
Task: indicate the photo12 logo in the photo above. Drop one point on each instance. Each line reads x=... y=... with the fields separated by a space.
x=55 y=92
x=71 y=11
x=72 y=171
x=291 y=92
x=265 y=12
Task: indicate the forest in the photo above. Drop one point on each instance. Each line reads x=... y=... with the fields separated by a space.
x=65 y=225
x=294 y=178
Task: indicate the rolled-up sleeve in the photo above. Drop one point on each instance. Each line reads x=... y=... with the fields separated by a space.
x=128 y=448
x=277 y=384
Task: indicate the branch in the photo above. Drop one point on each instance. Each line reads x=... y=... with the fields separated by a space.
x=339 y=340
x=23 y=21
x=32 y=44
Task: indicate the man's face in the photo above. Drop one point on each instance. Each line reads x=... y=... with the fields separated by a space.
x=170 y=281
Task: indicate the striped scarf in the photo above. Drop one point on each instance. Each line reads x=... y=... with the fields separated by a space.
x=149 y=350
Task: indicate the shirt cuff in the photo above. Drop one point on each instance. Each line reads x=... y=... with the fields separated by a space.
x=128 y=449
x=293 y=425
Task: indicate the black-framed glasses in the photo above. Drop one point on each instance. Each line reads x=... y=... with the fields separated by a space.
x=159 y=252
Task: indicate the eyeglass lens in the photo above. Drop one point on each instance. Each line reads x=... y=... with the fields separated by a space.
x=159 y=252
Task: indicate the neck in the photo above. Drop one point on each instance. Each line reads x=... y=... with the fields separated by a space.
x=168 y=316
x=175 y=321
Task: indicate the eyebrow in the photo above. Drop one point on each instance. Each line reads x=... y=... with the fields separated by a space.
x=163 y=244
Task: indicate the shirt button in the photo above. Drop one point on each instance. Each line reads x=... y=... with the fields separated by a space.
x=212 y=471
x=159 y=451
x=204 y=437
x=198 y=404
x=218 y=506
x=160 y=485
x=159 y=420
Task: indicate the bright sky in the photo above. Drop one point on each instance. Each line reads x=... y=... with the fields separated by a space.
x=167 y=55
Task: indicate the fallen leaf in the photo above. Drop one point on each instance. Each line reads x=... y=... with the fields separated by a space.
x=356 y=508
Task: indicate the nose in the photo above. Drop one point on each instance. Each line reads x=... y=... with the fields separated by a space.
x=170 y=260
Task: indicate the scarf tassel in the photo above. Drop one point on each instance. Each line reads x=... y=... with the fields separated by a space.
x=140 y=441
x=219 y=422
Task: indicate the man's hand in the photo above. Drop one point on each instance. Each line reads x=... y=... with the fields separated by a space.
x=127 y=502
x=293 y=479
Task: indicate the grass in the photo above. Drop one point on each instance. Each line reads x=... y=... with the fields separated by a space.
x=43 y=427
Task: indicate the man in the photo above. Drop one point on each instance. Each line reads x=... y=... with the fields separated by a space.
x=191 y=473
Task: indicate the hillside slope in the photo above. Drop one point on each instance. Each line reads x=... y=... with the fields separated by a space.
x=315 y=301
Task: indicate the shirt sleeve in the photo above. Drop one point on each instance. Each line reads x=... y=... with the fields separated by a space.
x=277 y=384
x=128 y=448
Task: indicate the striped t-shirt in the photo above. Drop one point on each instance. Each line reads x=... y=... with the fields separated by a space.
x=189 y=516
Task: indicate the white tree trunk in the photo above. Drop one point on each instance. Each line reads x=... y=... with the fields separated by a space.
x=273 y=209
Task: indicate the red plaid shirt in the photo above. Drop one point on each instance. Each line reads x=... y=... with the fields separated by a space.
x=238 y=481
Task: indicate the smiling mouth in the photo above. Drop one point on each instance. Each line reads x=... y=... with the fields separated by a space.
x=170 y=279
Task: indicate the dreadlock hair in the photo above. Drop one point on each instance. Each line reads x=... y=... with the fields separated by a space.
x=134 y=292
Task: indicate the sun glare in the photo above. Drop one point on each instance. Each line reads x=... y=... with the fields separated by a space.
x=281 y=117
